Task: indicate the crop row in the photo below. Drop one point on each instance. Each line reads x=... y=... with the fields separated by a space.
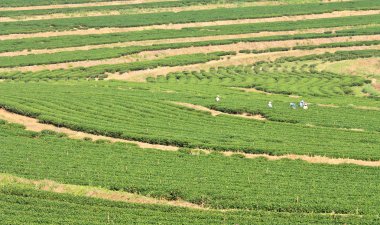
x=212 y=180
x=75 y=40
x=105 y=53
x=120 y=8
x=23 y=205
x=184 y=17
x=336 y=56
x=101 y=70
x=296 y=83
x=146 y=116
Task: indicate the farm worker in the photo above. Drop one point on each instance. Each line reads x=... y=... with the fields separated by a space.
x=305 y=106
x=302 y=102
x=270 y=104
x=217 y=99
x=293 y=105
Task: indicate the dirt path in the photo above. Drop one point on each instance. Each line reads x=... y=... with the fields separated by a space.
x=375 y=84
x=90 y=4
x=33 y=125
x=135 y=11
x=189 y=25
x=151 y=55
x=239 y=59
x=175 y=40
x=93 y=192
x=217 y=113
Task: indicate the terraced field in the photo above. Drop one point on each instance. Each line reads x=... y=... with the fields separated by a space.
x=188 y=112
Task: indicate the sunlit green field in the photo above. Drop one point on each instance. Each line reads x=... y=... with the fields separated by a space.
x=207 y=95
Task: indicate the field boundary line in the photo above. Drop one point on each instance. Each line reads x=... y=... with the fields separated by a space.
x=179 y=26
x=33 y=124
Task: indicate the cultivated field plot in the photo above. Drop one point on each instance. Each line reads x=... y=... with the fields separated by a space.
x=189 y=112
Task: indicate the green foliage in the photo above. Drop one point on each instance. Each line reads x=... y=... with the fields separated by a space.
x=22 y=205
x=142 y=114
x=198 y=16
x=101 y=70
x=217 y=181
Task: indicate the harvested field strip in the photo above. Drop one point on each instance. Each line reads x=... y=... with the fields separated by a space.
x=337 y=15
x=93 y=192
x=91 y=4
x=33 y=125
x=121 y=11
x=152 y=52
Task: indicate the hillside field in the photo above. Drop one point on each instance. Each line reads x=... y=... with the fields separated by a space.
x=190 y=112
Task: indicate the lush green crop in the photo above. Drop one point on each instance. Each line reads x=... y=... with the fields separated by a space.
x=213 y=180
x=296 y=82
x=17 y=3
x=337 y=56
x=196 y=16
x=75 y=40
x=340 y=44
x=101 y=70
x=23 y=205
x=143 y=115
x=105 y=53
x=124 y=9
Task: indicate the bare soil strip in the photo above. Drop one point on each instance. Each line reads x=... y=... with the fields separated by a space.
x=189 y=25
x=150 y=55
x=135 y=11
x=375 y=84
x=239 y=59
x=93 y=192
x=175 y=40
x=90 y=4
x=217 y=113
x=33 y=125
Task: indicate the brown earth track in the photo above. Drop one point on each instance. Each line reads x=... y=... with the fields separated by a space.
x=94 y=192
x=33 y=125
x=135 y=11
x=90 y=4
x=150 y=55
x=175 y=40
x=189 y=25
